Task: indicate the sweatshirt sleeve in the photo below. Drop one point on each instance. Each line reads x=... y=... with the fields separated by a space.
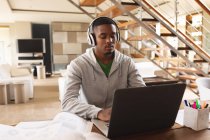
x=134 y=77
x=71 y=102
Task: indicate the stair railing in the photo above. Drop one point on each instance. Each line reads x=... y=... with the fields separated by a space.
x=198 y=49
x=180 y=7
x=157 y=36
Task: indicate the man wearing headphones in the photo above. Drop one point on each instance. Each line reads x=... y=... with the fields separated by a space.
x=97 y=73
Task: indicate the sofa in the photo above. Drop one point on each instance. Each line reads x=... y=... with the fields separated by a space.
x=11 y=75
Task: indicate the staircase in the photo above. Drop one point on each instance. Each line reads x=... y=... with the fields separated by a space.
x=146 y=31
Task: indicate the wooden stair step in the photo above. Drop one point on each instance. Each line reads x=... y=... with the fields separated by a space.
x=139 y=38
x=199 y=61
x=167 y=34
x=153 y=49
x=114 y=11
x=183 y=69
x=184 y=48
x=187 y=77
x=90 y=2
x=174 y=59
x=135 y=55
x=158 y=80
x=152 y=20
x=192 y=85
x=132 y=23
x=127 y=24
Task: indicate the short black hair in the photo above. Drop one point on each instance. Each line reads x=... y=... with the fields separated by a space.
x=102 y=21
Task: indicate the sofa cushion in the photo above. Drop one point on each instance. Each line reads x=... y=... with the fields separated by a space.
x=19 y=72
x=5 y=71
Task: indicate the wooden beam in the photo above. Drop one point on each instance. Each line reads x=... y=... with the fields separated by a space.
x=90 y=2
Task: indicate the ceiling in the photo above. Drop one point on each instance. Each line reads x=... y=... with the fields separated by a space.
x=41 y=11
x=59 y=10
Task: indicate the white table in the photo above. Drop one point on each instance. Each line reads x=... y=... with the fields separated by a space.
x=3 y=93
x=19 y=91
x=17 y=87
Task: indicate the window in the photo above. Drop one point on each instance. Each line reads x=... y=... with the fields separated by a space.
x=5 y=53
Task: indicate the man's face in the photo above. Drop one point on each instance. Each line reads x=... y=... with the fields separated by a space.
x=105 y=39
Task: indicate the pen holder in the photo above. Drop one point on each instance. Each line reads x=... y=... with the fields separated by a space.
x=197 y=119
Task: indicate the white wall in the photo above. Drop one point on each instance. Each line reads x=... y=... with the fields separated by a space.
x=18 y=30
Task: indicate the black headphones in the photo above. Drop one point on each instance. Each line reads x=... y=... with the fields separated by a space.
x=91 y=36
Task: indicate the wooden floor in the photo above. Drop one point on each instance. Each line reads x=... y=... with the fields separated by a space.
x=34 y=110
x=44 y=106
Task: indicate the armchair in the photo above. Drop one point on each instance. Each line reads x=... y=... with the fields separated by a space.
x=9 y=74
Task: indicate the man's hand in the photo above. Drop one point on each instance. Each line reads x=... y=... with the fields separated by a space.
x=104 y=114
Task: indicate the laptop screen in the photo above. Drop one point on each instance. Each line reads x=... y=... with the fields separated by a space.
x=145 y=109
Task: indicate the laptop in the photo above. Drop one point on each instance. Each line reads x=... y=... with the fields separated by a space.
x=142 y=109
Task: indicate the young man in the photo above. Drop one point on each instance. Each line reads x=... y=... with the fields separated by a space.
x=98 y=73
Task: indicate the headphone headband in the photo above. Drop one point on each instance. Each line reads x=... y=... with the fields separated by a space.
x=91 y=36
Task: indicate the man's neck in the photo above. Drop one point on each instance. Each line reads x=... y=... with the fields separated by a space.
x=105 y=58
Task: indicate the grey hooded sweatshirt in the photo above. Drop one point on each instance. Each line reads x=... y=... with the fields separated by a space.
x=85 y=74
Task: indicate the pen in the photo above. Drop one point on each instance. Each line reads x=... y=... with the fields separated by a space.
x=190 y=105
x=194 y=105
x=197 y=104
x=185 y=101
x=203 y=105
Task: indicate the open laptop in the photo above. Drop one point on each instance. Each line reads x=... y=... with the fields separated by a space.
x=143 y=109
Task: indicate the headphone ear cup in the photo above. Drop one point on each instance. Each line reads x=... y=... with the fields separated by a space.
x=118 y=37
x=91 y=39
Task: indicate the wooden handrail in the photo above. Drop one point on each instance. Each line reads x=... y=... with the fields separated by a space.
x=203 y=6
